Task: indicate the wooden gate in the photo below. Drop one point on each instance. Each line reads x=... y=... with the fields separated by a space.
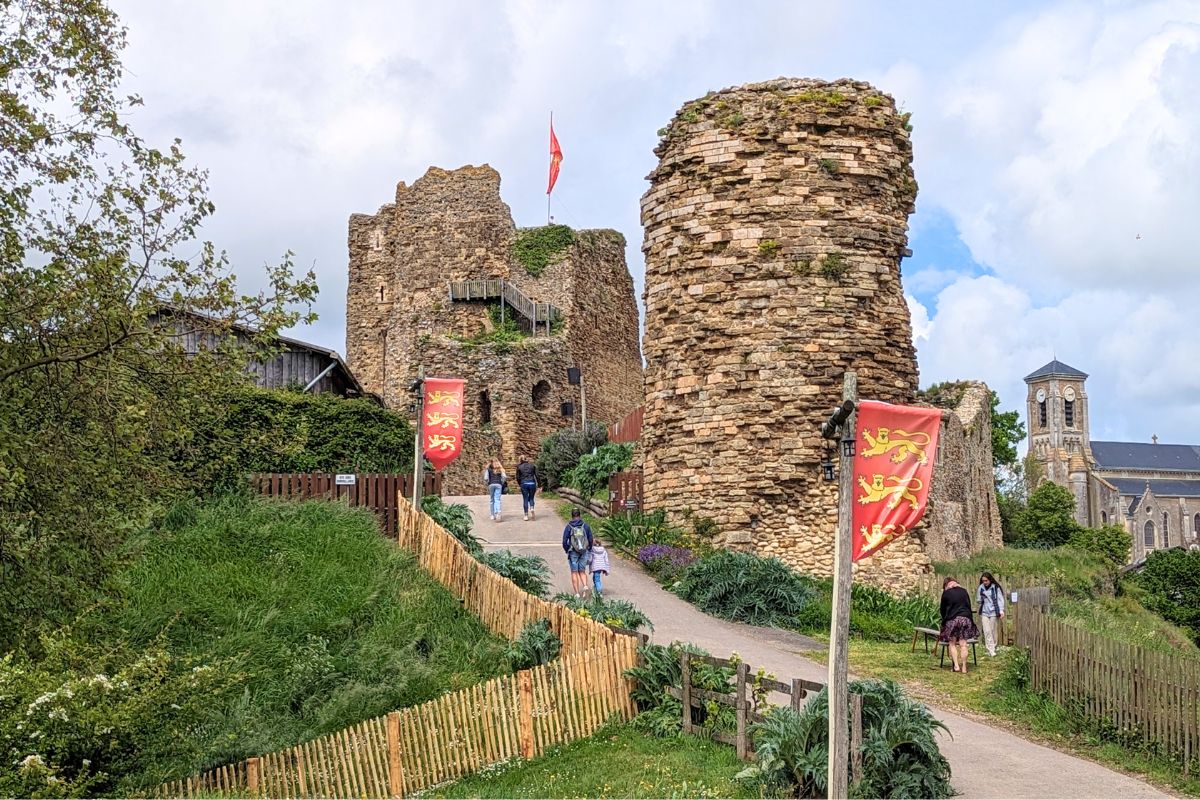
x=624 y=492
x=377 y=491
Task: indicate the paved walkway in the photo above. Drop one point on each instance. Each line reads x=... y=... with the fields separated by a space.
x=986 y=762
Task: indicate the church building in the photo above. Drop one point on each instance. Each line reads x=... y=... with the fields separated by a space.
x=1151 y=489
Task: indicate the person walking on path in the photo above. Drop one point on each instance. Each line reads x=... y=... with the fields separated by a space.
x=527 y=480
x=600 y=568
x=577 y=544
x=989 y=599
x=957 y=625
x=496 y=479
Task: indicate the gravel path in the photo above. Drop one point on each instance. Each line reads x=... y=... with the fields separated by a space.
x=986 y=762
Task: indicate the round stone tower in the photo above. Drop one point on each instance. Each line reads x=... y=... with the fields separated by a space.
x=774 y=225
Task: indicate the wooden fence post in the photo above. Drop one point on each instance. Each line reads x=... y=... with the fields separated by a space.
x=298 y=753
x=525 y=680
x=797 y=695
x=253 y=767
x=743 y=743
x=856 y=735
x=685 y=666
x=395 y=773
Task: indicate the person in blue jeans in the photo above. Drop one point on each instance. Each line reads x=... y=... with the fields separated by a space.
x=577 y=544
x=527 y=480
x=495 y=479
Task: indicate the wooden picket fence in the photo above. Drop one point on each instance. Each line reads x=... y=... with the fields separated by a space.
x=503 y=606
x=1141 y=694
x=462 y=732
x=442 y=740
x=377 y=491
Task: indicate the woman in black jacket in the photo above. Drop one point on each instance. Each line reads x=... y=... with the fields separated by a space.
x=957 y=625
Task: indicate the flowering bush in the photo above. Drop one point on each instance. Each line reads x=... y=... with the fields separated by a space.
x=664 y=561
x=75 y=722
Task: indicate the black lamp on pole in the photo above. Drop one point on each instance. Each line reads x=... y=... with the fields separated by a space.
x=827 y=468
x=848 y=444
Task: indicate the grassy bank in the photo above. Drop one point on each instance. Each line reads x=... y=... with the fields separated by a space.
x=616 y=762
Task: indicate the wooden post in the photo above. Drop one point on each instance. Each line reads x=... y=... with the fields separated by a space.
x=395 y=772
x=685 y=665
x=743 y=738
x=418 y=438
x=797 y=695
x=525 y=680
x=253 y=772
x=582 y=395
x=839 y=626
x=856 y=733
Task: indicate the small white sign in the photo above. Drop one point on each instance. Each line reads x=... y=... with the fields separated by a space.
x=1014 y=596
x=345 y=480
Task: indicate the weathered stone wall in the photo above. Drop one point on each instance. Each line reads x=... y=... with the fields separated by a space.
x=452 y=225
x=774 y=227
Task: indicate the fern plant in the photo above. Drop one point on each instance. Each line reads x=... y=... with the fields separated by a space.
x=621 y=613
x=660 y=714
x=528 y=572
x=900 y=755
x=536 y=645
x=745 y=588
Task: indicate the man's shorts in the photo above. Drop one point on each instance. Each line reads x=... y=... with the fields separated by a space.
x=579 y=561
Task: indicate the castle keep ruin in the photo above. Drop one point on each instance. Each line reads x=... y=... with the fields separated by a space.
x=451 y=227
x=775 y=223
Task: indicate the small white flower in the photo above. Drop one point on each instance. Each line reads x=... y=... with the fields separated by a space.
x=30 y=761
x=176 y=706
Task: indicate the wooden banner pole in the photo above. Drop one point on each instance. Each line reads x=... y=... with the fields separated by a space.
x=418 y=437
x=839 y=626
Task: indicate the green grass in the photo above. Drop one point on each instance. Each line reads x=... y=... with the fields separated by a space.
x=1066 y=570
x=983 y=691
x=1125 y=619
x=330 y=623
x=616 y=762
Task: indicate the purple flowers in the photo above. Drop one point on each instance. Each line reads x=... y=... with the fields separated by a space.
x=664 y=561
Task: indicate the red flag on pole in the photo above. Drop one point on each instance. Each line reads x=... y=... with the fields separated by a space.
x=442 y=425
x=555 y=157
x=893 y=467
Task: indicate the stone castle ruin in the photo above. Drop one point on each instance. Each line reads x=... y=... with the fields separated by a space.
x=775 y=224
x=442 y=280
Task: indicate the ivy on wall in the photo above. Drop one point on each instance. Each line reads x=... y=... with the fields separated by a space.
x=536 y=248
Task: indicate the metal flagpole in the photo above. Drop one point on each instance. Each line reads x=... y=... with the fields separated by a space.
x=549 y=188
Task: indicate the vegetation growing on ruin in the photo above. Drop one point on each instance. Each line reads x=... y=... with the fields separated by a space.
x=768 y=248
x=828 y=98
x=834 y=266
x=537 y=248
x=830 y=166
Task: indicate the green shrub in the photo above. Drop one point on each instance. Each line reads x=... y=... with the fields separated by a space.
x=900 y=755
x=621 y=613
x=1049 y=516
x=261 y=430
x=591 y=472
x=660 y=714
x=456 y=519
x=1171 y=585
x=528 y=572
x=561 y=451
x=83 y=718
x=874 y=614
x=745 y=588
x=536 y=248
x=632 y=531
x=1110 y=542
x=536 y=645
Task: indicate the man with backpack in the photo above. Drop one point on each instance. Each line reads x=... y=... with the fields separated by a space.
x=577 y=544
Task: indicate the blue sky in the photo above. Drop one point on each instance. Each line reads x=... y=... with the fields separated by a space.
x=1054 y=146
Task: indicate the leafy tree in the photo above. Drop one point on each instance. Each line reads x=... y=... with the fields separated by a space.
x=1049 y=519
x=561 y=451
x=591 y=472
x=97 y=231
x=1007 y=432
x=1112 y=542
x=1171 y=581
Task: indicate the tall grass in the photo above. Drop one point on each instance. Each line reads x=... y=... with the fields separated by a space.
x=1065 y=570
x=329 y=622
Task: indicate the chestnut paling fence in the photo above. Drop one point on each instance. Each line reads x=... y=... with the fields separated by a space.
x=462 y=732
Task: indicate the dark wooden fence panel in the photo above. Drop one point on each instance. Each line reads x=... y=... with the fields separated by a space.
x=629 y=429
x=376 y=491
x=625 y=492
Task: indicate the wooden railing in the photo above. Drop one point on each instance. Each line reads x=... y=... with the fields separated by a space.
x=1142 y=694
x=498 y=288
x=376 y=491
x=454 y=735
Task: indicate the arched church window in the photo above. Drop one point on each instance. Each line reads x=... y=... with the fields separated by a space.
x=1069 y=412
x=1042 y=413
x=1103 y=517
x=1166 y=531
x=1148 y=532
x=1196 y=525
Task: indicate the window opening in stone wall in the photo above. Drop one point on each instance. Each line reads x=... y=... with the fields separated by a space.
x=1103 y=517
x=383 y=293
x=1069 y=412
x=485 y=408
x=1196 y=525
x=1042 y=414
x=1166 y=531
x=541 y=395
x=1148 y=538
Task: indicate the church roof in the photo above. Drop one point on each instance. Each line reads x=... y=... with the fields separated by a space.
x=1161 y=488
x=1056 y=367
x=1140 y=455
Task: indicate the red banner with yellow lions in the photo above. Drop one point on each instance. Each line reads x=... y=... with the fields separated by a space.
x=443 y=420
x=893 y=467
